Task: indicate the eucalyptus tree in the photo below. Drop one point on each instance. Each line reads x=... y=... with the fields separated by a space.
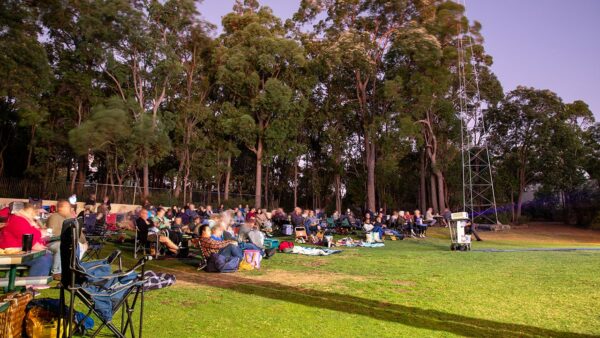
x=25 y=72
x=362 y=32
x=542 y=137
x=260 y=70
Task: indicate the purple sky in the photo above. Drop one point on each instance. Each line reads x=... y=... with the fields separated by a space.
x=550 y=44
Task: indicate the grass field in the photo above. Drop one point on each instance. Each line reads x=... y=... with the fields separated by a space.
x=410 y=288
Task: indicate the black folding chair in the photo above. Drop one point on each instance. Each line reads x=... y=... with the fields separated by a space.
x=101 y=290
x=142 y=243
x=96 y=241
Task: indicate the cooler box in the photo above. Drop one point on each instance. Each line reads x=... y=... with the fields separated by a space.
x=271 y=243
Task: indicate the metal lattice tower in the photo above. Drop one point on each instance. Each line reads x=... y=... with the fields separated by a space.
x=479 y=198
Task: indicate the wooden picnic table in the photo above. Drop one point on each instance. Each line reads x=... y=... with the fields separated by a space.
x=14 y=261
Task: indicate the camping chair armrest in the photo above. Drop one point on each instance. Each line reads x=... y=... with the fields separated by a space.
x=140 y=263
x=116 y=254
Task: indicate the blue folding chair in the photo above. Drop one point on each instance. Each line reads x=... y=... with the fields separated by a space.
x=101 y=290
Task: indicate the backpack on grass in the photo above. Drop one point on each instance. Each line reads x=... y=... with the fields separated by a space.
x=220 y=263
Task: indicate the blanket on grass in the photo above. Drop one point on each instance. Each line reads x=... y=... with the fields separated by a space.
x=302 y=250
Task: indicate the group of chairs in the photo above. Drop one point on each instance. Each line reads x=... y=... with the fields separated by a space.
x=104 y=292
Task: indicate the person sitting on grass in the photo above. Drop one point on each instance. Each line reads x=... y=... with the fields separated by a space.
x=368 y=223
x=209 y=245
x=420 y=224
x=378 y=227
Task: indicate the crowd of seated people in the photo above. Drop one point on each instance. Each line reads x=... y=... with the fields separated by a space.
x=226 y=231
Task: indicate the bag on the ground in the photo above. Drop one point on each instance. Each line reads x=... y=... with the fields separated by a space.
x=253 y=257
x=288 y=230
x=286 y=246
x=220 y=263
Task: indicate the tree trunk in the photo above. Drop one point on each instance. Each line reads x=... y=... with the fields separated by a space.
x=145 y=181
x=31 y=147
x=295 y=182
x=338 y=192
x=370 y=156
x=422 y=184
x=179 y=176
x=267 y=187
x=440 y=192
x=258 y=183
x=433 y=191
x=83 y=164
x=512 y=205
x=227 y=178
x=521 y=191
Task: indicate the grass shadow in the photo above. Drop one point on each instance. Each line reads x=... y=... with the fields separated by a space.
x=406 y=315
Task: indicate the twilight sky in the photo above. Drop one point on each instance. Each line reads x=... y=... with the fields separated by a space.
x=549 y=44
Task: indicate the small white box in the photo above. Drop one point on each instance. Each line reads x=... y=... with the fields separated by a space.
x=460 y=216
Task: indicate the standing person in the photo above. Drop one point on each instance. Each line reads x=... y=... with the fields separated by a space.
x=11 y=236
x=447 y=217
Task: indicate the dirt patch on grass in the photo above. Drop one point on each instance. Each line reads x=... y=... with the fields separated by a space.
x=550 y=233
x=196 y=279
x=296 y=278
x=403 y=282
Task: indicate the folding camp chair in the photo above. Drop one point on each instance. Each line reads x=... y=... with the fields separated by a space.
x=89 y=223
x=102 y=291
x=301 y=233
x=96 y=241
x=141 y=244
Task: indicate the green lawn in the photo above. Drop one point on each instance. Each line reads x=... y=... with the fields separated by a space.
x=409 y=288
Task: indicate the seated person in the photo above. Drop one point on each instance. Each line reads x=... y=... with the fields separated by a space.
x=193 y=227
x=209 y=245
x=160 y=221
x=311 y=223
x=239 y=219
x=11 y=236
x=429 y=217
x=368 y=224
x=420 y=224
x=176 y=230
x=378 y=227
x=147 y=229
x=55 y=223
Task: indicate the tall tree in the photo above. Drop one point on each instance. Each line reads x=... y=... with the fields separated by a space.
x=259 y=69
x=362 y=32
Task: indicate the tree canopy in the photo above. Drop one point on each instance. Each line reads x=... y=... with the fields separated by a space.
x=348 y=104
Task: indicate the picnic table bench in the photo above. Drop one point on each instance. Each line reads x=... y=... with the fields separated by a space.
x=15 y=262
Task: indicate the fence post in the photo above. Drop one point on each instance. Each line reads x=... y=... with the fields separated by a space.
x=134 y=191
x=96 y=193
